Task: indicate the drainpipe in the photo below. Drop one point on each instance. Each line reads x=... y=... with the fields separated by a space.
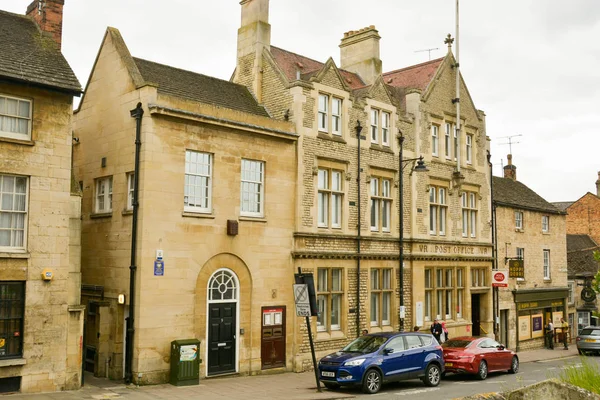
x=495 y=291
x=136 y=113
x=358 y=138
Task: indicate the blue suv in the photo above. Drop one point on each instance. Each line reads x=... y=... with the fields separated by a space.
x=373 y=359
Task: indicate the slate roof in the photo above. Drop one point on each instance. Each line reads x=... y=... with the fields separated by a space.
x=580 y=256
x=291 y=62
x=511 y=193
x=563 y=205
x=414 y=77
x=28 y=55
x=198 y=87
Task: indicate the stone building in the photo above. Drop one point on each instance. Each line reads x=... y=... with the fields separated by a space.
x=530 y=229
x=347 y=212
x=215 y=220
x=582 y=268
x=583 y=215
x=41 y=320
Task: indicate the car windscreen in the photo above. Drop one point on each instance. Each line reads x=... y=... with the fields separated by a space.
x=365 y=344
x=457 y=343
x=589 y=332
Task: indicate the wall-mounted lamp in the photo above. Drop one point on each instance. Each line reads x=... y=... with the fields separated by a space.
x=121 y=299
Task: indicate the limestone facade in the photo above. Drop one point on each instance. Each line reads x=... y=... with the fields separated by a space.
x=531 y=230
x=446 y=267
x=215 y=250
x=41 y=325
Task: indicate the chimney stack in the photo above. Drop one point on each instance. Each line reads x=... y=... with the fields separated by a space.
x=48 y=15
x=510 y=171
x=359 y=53
x=254 y=35
x=598 y=185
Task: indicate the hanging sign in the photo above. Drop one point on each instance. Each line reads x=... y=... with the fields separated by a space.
x=516 y=268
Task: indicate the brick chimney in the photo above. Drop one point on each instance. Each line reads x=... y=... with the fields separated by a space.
x=598 y=185
x=510 y=171
x=48 y=14
x=359 y=53
x=254 y=35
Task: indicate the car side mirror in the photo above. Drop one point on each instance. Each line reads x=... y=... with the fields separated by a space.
x=388 y=350
x=500 y=347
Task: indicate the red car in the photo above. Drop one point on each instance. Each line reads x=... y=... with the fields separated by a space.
x=479 y=356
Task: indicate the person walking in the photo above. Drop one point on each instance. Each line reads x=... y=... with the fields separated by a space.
x=564 y=325
x=550 y=335
x=436 y=330
x=445 y=331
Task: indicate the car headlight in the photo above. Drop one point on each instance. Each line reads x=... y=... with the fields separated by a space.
x=355 y=363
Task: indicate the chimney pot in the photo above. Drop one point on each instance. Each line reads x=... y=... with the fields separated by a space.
x=510 y=171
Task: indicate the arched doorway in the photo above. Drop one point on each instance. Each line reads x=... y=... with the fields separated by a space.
x=222 y=321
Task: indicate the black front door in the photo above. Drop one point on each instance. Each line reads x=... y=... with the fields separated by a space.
x=475 y=315
x=221 y=338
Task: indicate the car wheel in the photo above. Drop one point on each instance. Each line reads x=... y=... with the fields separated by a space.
x=514 y=365
x=371 y=382
x=432 y=375
x=482 y=373
x=331 y=386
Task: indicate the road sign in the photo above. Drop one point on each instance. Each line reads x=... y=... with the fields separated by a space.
x=302 y=301
x=500 y=279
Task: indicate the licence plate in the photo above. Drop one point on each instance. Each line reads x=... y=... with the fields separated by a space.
x=590 y=340
x=448 y=364
x=328 y=374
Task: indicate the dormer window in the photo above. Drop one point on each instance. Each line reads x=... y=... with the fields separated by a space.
x=380 y=127
x=330 y=114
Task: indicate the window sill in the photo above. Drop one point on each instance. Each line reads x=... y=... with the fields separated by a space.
x=331 y=136
x=519 y=230
x=252 y=219
x=13 y=362
x=6 y=254
x=331 y=335
x=197 y=215
x=101 y=215
x=521 y=281
x=381 y=147
x=545 y=233
x=127 y=212
x=25 y=142
x=547 y=280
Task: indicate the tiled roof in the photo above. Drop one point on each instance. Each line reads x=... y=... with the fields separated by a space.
x=28 y=55
x=580 y=256
x=291 y=62
x=414 y=77
x=511 y=193
x=198 y=87
x=563 y=205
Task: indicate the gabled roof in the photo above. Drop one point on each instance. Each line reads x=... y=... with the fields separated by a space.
x=414 y=77
x=510 y=193
x=28 y=55
x=197 y=87
x=580 y=256
x=563 y=205
x=290 y=63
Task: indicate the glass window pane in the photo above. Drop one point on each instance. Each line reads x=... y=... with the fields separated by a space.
x=336 y=280
x=322 y=280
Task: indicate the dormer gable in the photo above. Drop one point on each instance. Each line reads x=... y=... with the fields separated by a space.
x=329 y=75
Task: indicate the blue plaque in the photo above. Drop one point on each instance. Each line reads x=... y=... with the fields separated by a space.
x=159 y=267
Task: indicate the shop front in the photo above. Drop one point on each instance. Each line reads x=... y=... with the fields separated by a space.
x=535 y=308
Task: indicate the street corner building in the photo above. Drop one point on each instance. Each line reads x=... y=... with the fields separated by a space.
x=532 y=248
x=211 y=194
x=41 y=320
x=364 y=205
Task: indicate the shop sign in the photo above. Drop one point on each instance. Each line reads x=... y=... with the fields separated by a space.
x=539 y=304
x=516 y=268
x=499 y=279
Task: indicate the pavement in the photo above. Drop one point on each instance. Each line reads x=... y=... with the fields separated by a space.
x=289 y=386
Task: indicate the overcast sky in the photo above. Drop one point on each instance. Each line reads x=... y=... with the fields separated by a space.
x=533 y=66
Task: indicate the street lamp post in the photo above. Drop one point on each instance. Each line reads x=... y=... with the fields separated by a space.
x=420 y=167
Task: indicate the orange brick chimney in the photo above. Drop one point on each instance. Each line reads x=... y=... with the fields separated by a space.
x=510 y=171
x=48 y=14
